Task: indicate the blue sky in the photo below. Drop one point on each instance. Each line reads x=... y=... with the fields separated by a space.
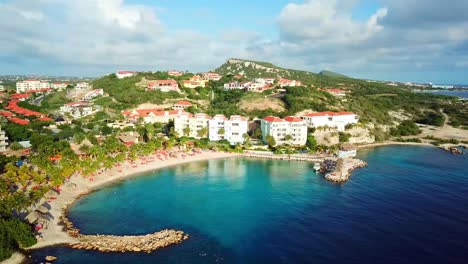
x=403 y=40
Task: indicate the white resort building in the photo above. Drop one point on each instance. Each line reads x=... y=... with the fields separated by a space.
x=337 y=120
x=211 y=76
x=3 y=140
x=31 y=85
x=93 y=94
x=194 y=123
x=217 y=128
x=279 y=128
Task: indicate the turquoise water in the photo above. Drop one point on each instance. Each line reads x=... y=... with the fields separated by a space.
x=410 y=205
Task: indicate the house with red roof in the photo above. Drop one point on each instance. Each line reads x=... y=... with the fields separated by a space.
x=125 y=74
x=211 y=76
x=337 y=92
x=280 y=129
x=175 y=73
x=20 y=96
x=181 y=105
x=337 y=120
x=151 y=116
x=163 y=85
x=194 y=82
x=289 y=83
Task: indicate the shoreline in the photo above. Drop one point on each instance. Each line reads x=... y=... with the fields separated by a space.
x=79 y=186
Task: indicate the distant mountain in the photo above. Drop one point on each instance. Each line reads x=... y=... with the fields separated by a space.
x=332 y=74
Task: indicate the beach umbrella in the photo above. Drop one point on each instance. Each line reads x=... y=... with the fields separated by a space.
x=42 y=209
x=51 y=193
x=45 y=216
x=32 y=217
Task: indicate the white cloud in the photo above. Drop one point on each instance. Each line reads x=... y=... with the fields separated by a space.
x=327 y=21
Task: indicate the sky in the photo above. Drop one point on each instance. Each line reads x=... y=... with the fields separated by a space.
x=400 y=40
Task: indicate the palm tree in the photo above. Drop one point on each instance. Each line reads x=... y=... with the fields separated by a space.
x=203 y=132
x=186 y=131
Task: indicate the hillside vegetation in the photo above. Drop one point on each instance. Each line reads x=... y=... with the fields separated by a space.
x=373 y=102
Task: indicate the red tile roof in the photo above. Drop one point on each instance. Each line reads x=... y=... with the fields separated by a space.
x=183 y=103
x=293 y=119
x=329 y=114
x=6 y=114
x=19 y=121
x=45 y=119
x=273 y=119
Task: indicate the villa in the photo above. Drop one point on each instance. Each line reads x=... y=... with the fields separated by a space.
x=289 y=83
x=129 y=138
x=194 y=82
x=337 y=92
x=280 y=128
x=175 y=73
x=236 y=85
x=93 y=94
x=59 y=85
x=337 y=120
x=181 y=105
x=163 y=85
x=77 y=109
x=211 y=76
x=125 y=74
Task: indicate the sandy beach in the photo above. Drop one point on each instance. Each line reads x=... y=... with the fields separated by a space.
x=78 y=185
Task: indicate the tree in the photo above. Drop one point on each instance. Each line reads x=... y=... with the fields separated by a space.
x=270 y=140
x=311 y=142
x=186 y=131
x=202 y=132
x=288 y=138
x=257 y=133
x=221 y=131
x=344 y=137
x=16 y=146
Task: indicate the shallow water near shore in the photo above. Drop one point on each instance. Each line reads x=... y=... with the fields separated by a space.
x=410 y=205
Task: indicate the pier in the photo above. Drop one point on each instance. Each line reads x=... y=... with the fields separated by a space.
x=294 y=157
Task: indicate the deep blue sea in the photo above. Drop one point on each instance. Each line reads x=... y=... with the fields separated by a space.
x=410 y=205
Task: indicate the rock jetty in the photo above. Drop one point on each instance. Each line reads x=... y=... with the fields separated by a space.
x=145 y=243
x=453 y=150
x=344 y=167
x=109 y=243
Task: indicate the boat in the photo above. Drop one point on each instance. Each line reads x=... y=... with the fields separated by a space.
x=317 y=166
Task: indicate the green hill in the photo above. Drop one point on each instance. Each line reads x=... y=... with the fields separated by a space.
x=332 y=74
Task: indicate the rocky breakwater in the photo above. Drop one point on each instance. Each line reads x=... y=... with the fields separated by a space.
x=343 y=169
x=145 y=243
x=453 y=149
x=109 y=243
